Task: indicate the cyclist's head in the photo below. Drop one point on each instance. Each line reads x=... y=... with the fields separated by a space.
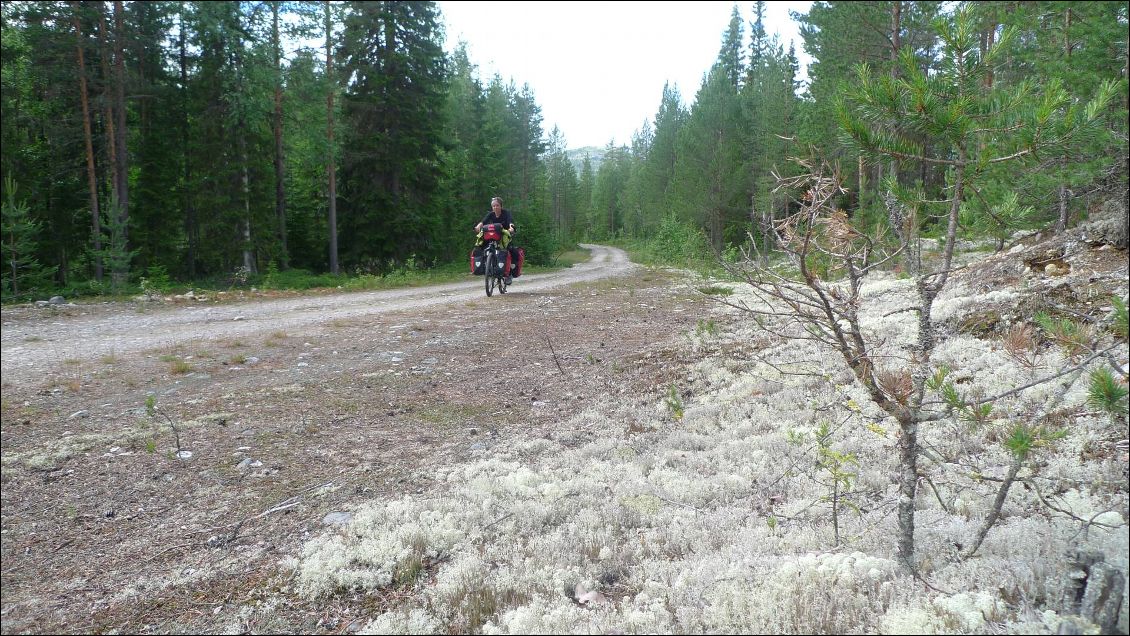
x=496 y=205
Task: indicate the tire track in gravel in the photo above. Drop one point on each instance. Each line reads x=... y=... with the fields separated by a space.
x=32 y=345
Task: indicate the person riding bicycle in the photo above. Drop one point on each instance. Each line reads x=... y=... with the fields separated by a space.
x=502 y=217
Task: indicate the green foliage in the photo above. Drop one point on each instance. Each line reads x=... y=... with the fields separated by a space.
x=974 y=414
x=836 y=465
x=422 y=142
x=1072 y=336
x=938 y=382
x=270 y=278
x=1121 y=324
x=706 y=328
x=156 y=282
x=716 y=290
x=997 y=221
x=674 y=402
x=1106 y=393
x=938 y=378
x=983 y=134
x=23 y=275
x=676 y=244
x=158 y=277
x=116 y=253
x=1024 y=438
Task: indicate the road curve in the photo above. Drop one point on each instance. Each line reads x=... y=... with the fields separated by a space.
x=31 y=342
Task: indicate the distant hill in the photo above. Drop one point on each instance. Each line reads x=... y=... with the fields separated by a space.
x=577 y=157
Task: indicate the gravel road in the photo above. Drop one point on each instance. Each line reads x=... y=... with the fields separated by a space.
x=34 y=340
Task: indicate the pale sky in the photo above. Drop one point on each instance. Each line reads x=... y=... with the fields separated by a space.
x=597 y=69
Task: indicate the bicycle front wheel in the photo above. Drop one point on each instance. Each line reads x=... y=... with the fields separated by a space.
x=488 y=270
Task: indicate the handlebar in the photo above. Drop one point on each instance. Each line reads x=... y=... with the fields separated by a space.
x=500 y=227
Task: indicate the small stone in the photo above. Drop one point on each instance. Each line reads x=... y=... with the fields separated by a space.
x=1055 y=269
x=57 y=300
x=245 y=464
x=337 y=518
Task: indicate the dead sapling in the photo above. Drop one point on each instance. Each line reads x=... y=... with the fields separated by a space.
x=152 y=410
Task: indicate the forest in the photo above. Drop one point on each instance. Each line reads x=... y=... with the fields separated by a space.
x=218 y=141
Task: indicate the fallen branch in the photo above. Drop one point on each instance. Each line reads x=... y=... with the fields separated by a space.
x=283 y=505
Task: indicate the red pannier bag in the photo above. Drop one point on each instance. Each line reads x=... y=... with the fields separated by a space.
x=477 y=261
x=492 y=232
x=507 y=264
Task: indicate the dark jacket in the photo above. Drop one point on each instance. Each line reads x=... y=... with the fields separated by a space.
x=502 y=219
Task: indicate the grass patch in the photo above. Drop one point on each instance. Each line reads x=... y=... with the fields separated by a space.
x=716 y=290
x=451 y=414
x=706 y=328
x=180 y=367
x=570 y=258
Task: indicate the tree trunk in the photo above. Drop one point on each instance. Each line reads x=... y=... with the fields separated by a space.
x=896 y=43
x=108 y=102
x=330 y=154
x=187 y=206
x=908 y=488
x=280 y=184
x=91 y=174
x=767 y=216
x=862 y=183
x=121 y=273
x=1061 y=220
x=988 y=39
x=245 y=179
x=896 y=39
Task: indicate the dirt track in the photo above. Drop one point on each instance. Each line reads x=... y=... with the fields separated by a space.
x=291 y=409
x=35 y=338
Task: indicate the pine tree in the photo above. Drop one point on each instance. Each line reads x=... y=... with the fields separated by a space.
x=945 y=118
x=22 y=272
x=656 y=172
x=585 y=189
x=561 y=184
x=1081 y=45
x=710 y=185
x=394 y=107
